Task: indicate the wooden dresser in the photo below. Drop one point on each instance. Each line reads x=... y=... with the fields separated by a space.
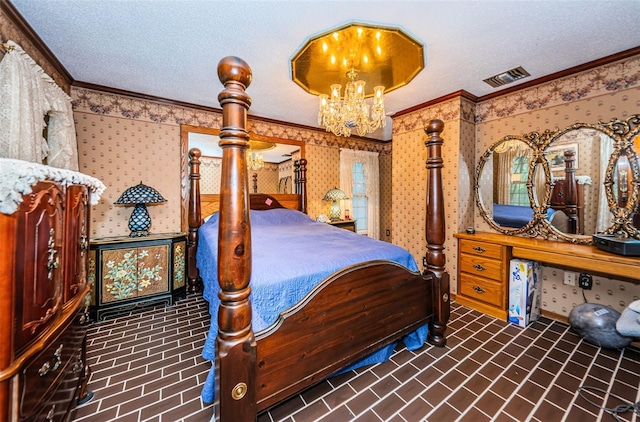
x=483 y=265
x=43 y=306
x=483 y=276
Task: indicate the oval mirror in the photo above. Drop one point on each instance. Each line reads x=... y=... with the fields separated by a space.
x=635 y=183
x=623 y=187
x=502 y=185
x=578 y=159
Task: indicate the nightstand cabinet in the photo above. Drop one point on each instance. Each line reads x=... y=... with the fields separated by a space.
x=482 y=277
x=132 y=274
x=345 y=224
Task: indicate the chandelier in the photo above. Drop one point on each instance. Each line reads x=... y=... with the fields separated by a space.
x=255 y=161
x=340 y=116
x=386 y=57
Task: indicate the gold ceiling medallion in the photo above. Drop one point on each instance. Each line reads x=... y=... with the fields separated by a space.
x=356 y=55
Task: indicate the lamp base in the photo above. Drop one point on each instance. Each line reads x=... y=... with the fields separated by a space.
x=334 y=211
x=140 y=221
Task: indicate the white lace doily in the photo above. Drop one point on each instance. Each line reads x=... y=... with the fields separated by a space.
x=17 y=177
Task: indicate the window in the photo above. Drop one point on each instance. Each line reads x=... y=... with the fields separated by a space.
x=359 y=200
x=518 y=188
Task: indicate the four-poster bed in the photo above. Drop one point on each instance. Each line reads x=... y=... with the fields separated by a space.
x=344 y=318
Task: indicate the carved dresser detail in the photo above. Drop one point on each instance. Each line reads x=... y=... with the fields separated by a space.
x=44 y=229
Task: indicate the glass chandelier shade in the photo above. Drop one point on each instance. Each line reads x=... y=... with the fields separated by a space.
x=340 y=115
x=335 y=195
x=140 y=195
x=255 y=160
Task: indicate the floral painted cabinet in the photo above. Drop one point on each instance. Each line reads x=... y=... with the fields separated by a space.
x=132 y=274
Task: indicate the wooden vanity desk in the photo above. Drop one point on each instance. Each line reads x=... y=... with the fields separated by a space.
x=581 y=258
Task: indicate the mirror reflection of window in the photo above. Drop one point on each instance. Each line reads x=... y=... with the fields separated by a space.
x=518 y=187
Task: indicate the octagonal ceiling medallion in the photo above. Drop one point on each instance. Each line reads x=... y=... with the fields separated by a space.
x=380 y=55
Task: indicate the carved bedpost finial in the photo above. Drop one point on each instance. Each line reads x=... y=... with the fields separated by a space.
x=434 y=126
x=233 y=68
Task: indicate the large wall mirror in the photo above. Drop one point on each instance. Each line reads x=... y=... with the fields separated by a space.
x=270 y=161
x=565 y=185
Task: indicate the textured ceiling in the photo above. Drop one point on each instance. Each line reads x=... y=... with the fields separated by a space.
x=170 y=49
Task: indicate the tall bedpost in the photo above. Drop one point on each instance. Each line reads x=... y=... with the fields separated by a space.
x=194 y=282
x=235 y=344
x=302 y=184
x=571 y=191
x=435 y=233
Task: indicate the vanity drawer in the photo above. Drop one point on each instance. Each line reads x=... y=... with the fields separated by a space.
x=488 y=250
x=481 y=289
x=481 y=266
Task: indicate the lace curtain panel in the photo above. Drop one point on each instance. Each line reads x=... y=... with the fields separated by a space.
x=371 y=166
x=27 y=94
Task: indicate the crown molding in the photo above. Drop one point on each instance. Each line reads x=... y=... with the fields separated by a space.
x=14 y=16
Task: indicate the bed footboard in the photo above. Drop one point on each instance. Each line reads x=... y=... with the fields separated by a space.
x=354 y=312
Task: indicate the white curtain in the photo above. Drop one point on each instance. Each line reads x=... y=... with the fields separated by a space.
x=371 y=167
x=604 y=218
x=506 y=153
x=27 y=94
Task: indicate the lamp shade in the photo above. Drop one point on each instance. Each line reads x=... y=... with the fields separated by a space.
x=335 y=195
x=140 y=195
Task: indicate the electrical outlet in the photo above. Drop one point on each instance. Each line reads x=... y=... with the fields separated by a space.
x=585 y=281
x=570 y=278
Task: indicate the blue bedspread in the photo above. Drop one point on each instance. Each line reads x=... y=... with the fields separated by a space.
x=514 y=216
x=287 y=262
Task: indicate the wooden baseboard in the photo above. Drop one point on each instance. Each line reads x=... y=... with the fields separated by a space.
x=554 y=316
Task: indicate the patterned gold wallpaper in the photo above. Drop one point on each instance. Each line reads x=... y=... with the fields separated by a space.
x=123 y=141
x=123 y=152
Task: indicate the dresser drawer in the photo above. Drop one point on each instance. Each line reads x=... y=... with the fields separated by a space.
x=481 y=289
x=62 y=359
x=488 y=250
x=481 y=266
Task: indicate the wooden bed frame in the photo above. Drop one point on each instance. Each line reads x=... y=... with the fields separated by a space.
x=349 y=315
x=567 y=196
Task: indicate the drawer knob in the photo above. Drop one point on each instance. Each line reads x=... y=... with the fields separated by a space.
x=479 y=249
x=479 y=290
x=479 y=267
x=47 y=367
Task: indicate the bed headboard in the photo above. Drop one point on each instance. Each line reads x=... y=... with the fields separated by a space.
x=203 y=205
